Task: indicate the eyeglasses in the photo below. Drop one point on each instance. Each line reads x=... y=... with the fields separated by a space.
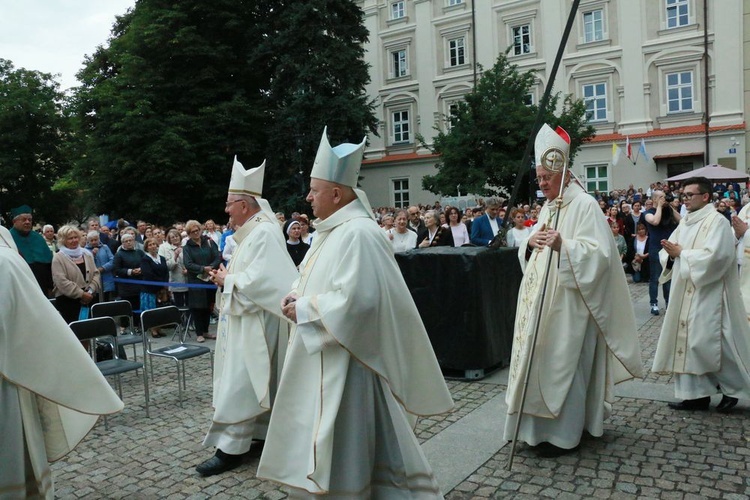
x=544 y=178
x=690 y=195
x=229 y=203
x=192 y=231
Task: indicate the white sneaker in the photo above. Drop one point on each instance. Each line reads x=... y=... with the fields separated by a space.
x=654 y=309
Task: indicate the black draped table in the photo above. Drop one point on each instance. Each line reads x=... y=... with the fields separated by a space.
x=466 y=297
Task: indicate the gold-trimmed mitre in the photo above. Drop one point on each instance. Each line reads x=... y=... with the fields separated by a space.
x=247 y=182
x=551 y=148
x=340 y=164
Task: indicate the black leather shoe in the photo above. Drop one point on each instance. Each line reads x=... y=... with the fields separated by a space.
x=221 y=462
x=726 y=404
x=691 y=404
x=548 y=450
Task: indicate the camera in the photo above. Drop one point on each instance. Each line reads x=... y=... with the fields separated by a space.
x=669 y=197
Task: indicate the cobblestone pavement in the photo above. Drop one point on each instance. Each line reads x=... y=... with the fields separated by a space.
x=647 y=451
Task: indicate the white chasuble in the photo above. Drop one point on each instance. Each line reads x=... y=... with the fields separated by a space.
x=252 y=335
x=51 y=392
x=358 y=372
x=587 y=339
x=743 y=259
x=706 y=308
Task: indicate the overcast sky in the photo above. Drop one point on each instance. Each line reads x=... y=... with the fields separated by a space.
x=54 y=35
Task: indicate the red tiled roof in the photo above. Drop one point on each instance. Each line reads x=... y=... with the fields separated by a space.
x=397 y=158
x=666 y=132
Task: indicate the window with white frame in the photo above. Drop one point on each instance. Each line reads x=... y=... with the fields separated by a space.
x=678 y=13
x=399 y=63
x=457 y=51
x=401 y=193
x=596 y=178
x=452 y=117
x=398 y=9
x=521 y=39
x=454 y=2
x=528 y=99
x=679 y=92
x=595 y=97
x=593 y=26
x=400 y=127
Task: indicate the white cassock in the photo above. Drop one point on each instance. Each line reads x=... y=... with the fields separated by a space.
x=51 y=392
x=705 y=337
x=587 y=339
x=252 y=335
x=743 y=259
x=359 y=370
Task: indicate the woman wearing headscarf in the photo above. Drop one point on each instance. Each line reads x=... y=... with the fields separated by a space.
x=74 y=275
x=294 y=245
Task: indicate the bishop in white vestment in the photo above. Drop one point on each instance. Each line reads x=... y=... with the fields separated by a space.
x=252 y=333
x=51 y=392
x=587 y=339
x=705 y=337
x=360 y=368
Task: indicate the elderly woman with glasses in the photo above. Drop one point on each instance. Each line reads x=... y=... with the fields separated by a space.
x=74 y=275
x=201 y=256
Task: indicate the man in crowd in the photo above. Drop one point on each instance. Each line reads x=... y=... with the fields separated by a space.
x=705 y=338
x=140 y=235
x=416 y=223
x=51 y=392
x=32 y=247
x=484 y=229
x=360 y=366
x=586 y=338
x=252 y=334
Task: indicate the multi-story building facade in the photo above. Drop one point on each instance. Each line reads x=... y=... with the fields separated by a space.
x=650 y=70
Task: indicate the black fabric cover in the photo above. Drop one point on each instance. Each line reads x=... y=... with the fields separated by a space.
x=466 y=297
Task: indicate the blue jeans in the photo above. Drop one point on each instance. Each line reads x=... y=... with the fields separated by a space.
x=653 y=283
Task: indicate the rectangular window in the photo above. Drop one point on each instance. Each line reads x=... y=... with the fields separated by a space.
x=593 y=26
x=528 y=99
x=596 y=178
x=401 y=127
x=398 y=63
x=456 y=52
x=452 y=115
x=677 y=13
x=595 y=97
x=401 y=193
x=522 y=40
x=398 y=10
x=455 y=2
x=680 y=92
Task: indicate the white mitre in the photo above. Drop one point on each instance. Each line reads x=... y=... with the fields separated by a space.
x=549 y=140
x=250 y=183
x=341 y=165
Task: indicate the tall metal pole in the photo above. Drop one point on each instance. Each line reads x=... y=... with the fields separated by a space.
x=706 y=99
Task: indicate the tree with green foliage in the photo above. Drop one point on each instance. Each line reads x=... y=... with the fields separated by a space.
x=489 y=130
x=318 y=78
x=33 y=131
x=184 y=86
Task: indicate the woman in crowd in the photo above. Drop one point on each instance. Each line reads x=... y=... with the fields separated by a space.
x=105 y=262
x=723 y=209
x=74 y=275
x=201 y=255
x=458 y=229
x=296 y=248
x=212 y=232
x=154 y=268
x=49 y=237
x=519 y=232
x=613 y=215
x=622 y=246
x=127 y=265
x=306 y=233
x=402 y=239
x=435 y=235
x=171 y=250
x=640 y=254
x=387 y=222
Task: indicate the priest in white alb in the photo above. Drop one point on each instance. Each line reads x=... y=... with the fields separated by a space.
x=740 y=225
x=705 y=337
x=360 y=368
x=252 y=333
x=51 y=392
x=586 y=339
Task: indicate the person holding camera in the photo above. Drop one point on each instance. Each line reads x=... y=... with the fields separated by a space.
x=661 y=220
